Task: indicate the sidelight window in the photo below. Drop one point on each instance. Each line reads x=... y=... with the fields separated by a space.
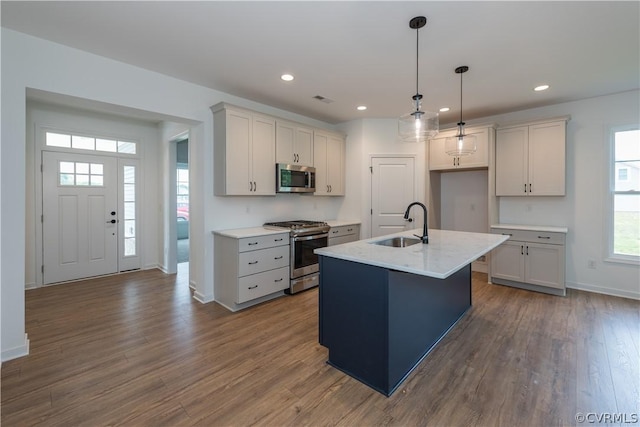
x=625 y=194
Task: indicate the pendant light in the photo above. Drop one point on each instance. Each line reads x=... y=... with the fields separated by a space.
x=418 y=125
x=461 y=144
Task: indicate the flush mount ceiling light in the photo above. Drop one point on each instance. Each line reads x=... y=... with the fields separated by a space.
x=444 y=109
x=418 y=125
x=461 y=144
x=541 y=88
x=286 y=77
x=361 y=107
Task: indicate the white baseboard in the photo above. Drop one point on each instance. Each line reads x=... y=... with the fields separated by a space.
x=14 y=353
x=204 y=299
x=605 y=291
x=30 y=285
x=192 y=285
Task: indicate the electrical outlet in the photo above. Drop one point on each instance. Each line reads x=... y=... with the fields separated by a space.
x=528 y=208
x=248 y=209
x=591 y=263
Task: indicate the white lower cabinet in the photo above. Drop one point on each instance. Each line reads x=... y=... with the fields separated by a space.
x=344 y=234
x=249 y=270
x=530 y=259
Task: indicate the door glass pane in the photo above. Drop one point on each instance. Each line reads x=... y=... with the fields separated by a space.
x=129 y=192
x=129 y=228
x=67 y=167
x=97 y=180
x=57 y=140
x=129 y=247
x=82 y=168
x=106 y=145
x=129 y=210
x=126 y=147
x=96 y=169
x=67 y=179
x=82 y=179
x=83 y=142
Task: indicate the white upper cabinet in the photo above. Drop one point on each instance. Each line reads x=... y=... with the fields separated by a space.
x=294 y=144
x=244 y=151
x=439 y=160
x=530 y=159
x=328 y=155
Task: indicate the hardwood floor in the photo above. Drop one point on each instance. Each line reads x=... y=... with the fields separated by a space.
x=136 y=349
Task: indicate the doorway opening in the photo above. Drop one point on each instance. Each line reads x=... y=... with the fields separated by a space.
x=182 y=201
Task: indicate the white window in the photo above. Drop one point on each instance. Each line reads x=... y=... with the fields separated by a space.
x=78 y=142
x=80 y=174
x=624 y=207
x=129 y=184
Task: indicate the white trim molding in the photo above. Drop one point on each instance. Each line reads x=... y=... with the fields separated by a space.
x=604 y=291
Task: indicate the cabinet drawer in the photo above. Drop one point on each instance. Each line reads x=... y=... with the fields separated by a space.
x=261 y=284
x=266 y=259
x=262 y=242
x=532 y=236
x=343 y=230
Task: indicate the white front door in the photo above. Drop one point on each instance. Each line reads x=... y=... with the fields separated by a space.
x=80 y=216
x=392 y=190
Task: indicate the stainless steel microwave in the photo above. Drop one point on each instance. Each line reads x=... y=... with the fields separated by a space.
x=295 y=178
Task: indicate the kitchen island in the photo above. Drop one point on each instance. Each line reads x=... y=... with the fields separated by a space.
x=382 y=309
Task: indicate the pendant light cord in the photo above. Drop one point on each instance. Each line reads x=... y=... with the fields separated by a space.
x=461 y=122
x=417 y=59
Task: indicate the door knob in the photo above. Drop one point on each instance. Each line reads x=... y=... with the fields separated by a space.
x=113 y=213
x=113 y=221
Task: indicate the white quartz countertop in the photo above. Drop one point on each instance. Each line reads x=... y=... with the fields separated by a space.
x=240 y=233
x=543 y=228
x=447 y=252
x=340 y=223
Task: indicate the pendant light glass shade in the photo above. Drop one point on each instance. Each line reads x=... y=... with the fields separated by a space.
x=460 y=144
x=418 y=125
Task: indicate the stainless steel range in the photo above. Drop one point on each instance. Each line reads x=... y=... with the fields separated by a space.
x=305 y=237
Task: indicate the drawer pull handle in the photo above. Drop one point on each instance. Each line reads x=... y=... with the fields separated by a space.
x=544 y=237
x=277 y=240
x=253 y=262
x=349 y=229
x=507 y=234
x=278 y=280
x=252 y=287
x=334 y=232
x=278 y=257
x=253 y=244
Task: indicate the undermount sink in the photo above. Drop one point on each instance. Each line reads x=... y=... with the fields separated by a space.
x=398 y=242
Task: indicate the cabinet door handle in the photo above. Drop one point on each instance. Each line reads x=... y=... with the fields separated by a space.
x=253 y=262
x=527 y=250
x=525 y=188
x=278 y=257
x=278 y=280
x=255 y=186
x=252 y=287
x=529 y=188
x=521 y=250
x=454 y=161
x=330 y=188
x=544 y=237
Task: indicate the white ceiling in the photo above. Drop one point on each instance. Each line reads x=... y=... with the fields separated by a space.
x=361 y=52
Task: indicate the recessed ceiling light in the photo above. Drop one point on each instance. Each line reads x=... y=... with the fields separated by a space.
x=541 y=88
x=444 y=109
x=361 y=107
x=286 y=77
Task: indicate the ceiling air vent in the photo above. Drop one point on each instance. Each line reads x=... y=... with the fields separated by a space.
x=323 y=99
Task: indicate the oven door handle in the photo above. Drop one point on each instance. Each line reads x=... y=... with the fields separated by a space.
x=311 y=237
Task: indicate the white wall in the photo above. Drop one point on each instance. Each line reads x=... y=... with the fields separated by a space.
x=463 y=202
x=29 y=62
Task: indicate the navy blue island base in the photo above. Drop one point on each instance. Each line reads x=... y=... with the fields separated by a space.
x=379 y=324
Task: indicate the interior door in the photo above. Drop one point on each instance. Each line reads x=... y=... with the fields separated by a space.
x=80 y=220
x=392 y=190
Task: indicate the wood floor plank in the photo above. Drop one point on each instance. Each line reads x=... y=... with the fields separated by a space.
x=137 y=349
